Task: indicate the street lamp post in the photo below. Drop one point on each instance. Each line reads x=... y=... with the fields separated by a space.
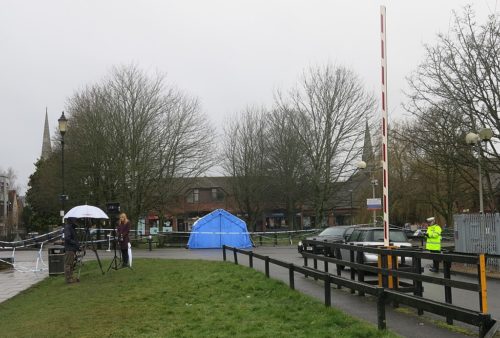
x=63 y=123
x=485 y=134
x=352 y=216
x=374 y=182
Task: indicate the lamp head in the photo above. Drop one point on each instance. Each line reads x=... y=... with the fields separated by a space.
x=472 y=138
x=361 y=165
x=63 y=124
x=485 y=134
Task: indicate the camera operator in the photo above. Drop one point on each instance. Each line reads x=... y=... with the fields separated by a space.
x=71 y=246
x=122 y=231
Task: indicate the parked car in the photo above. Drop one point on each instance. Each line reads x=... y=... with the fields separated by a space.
x=374 y=236
x=333 y=234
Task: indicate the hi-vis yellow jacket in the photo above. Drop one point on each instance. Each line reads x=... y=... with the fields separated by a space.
x=433 y=238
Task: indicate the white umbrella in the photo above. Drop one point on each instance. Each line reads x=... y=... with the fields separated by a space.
x=86 y=211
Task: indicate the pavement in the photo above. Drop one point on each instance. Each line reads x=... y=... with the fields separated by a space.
x=31 y=268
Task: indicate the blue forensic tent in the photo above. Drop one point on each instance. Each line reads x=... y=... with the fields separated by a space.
x=219 y=228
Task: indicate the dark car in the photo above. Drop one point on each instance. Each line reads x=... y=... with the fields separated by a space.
x=334 y=234
x=374 y=236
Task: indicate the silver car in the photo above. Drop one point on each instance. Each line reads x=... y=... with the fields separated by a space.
x=374 y=236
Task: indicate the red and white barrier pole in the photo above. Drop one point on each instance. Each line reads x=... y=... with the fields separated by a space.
x=385 y=172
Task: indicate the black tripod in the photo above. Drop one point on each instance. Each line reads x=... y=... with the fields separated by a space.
x=114 y=262
x=87 y=238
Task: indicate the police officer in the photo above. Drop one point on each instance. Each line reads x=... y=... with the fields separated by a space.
x=433 y=242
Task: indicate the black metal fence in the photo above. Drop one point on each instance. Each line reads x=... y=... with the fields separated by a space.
x=381 y=290
x=390 y=271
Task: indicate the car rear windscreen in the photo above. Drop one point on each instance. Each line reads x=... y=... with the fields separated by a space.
x=394 y=236
x=332 y=232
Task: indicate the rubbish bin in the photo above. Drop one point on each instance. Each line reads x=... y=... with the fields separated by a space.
x=56 y=261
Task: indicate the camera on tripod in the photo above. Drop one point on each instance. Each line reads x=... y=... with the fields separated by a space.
x=113 y=208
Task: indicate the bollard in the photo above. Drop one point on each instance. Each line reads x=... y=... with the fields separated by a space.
x=250 y=259
x=224 y=253
x=275 y=239
x=150 y=240
x=235 y=254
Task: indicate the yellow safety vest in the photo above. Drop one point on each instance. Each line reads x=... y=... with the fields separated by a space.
x=433 y=238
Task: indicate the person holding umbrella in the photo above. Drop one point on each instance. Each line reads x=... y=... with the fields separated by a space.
x=71 y=246
x=122 y=231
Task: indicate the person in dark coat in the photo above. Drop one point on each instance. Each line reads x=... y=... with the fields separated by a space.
x=71 y=246
x=122 y=231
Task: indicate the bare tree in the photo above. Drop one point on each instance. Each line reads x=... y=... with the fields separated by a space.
x=287 y=162
x=463 y=70
x=12 y=177
x=245 y=159
x=425 y=167
x=130 y=136
x=331 y=106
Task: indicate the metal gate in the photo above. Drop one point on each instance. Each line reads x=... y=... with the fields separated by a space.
x=476 y=233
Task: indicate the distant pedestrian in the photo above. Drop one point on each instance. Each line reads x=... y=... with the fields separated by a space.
x=123 y=230
x=71 y=246
x=433 y=242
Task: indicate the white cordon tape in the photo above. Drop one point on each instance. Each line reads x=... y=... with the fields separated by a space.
x=39 y=265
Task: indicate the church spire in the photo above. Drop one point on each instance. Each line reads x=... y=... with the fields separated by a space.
x=368 y=155
x=46 y=145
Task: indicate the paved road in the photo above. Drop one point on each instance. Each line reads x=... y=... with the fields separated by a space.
x=463 y=298
x=407 y=325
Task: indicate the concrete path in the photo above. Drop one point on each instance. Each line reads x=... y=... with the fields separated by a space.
x=405 y=323
x=25 y=274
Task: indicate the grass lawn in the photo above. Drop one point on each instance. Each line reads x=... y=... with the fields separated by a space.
x=173 y=298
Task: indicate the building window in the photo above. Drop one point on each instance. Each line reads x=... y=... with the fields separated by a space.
x=217 y=194
x=193 y=196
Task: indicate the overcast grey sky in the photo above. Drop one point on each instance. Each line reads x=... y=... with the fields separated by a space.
x=228 y=53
